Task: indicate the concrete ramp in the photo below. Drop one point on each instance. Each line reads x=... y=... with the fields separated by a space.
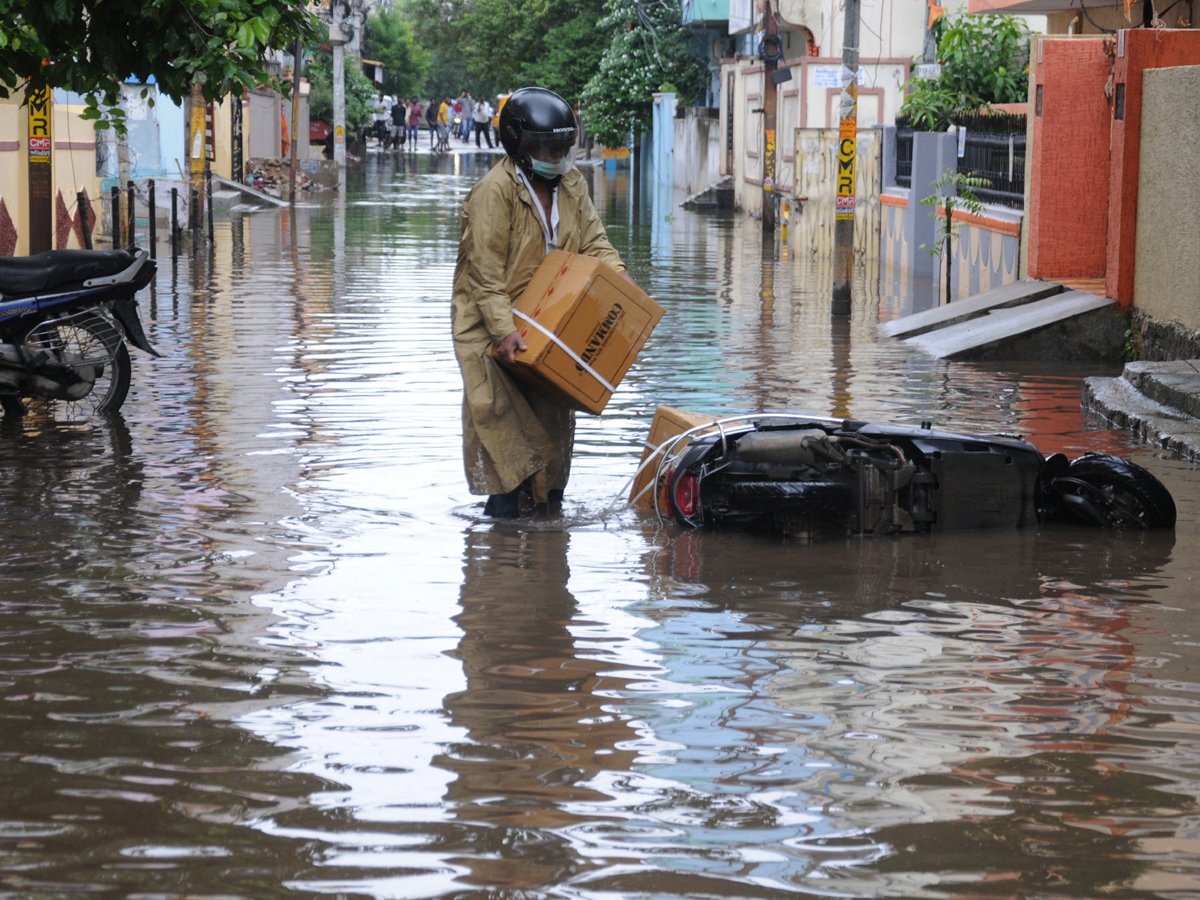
x=1070 y=326
x=1016 y=294
x=715 y=196
x=248 y=191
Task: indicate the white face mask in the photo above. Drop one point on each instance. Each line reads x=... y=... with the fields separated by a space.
x=553 y=170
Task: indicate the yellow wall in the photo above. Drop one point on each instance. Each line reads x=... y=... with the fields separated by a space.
x=74 y=162
x=13 y=180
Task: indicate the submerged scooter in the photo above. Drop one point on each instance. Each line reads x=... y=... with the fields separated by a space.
x=65 y=318
x=808 y=475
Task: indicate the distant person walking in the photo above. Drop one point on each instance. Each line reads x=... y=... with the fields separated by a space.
x=443 y=125
x=468 y=117
x=398 y=132
x=431 y=116
x=483 y=121
x=414 y=122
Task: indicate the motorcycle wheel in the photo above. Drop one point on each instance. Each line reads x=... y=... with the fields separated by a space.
x=1114 y=492
x=84 y=337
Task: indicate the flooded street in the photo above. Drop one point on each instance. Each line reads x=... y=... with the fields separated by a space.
x=259 y=642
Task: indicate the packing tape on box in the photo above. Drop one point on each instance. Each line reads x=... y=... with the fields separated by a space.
x=567 y=350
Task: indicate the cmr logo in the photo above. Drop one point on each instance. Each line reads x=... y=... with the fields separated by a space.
x=847 y=151
x=845 y=168
x=39 y=127
x=39 y=114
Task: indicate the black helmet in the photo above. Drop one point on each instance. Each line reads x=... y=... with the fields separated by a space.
x=536 y=117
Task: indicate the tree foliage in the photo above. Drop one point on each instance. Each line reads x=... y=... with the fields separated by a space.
x=92 y=47
x=360 y=92
x=493 y=46
x=985 y=59
x=389 y=38
x=648 y=50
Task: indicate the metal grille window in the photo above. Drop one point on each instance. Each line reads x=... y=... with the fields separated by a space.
x=994 y=150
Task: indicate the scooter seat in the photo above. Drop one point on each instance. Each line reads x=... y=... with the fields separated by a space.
x=22 y=275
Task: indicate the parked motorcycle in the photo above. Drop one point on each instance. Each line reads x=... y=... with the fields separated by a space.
x=65 y=318
x=808 y=475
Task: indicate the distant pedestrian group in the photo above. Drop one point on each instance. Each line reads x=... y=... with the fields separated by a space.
x=397 y=121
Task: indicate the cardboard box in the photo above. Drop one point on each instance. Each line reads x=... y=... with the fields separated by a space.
x=668 y=423
x=597 y=317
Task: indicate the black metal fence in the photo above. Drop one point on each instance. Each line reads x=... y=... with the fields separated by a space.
x=904 y=153
x=993 y=150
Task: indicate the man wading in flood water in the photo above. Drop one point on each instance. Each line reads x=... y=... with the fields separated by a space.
x=515 y=442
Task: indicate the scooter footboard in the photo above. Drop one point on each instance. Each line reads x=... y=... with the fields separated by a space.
x=985 y=489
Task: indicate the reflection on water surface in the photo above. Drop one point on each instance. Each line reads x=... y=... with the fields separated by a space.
x=257 y=643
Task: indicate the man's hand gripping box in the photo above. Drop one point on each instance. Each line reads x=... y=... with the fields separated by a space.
x=584 y=324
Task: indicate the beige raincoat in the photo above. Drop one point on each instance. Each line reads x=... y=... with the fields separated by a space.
x=510 y=433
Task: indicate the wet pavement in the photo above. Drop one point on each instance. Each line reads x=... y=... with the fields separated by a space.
x=257 y=641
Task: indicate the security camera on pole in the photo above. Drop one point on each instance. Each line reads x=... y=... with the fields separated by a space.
x=843 y=228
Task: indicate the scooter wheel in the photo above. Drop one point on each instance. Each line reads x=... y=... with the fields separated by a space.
x=1113 y=491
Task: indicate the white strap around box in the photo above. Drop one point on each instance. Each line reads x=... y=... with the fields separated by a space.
x=567 y=350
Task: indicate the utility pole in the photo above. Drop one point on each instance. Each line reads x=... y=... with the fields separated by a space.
x=294 y=124
x=197 y=152
x=41 y=172
x=771 y=54
x=337 y=37
x=843 y=228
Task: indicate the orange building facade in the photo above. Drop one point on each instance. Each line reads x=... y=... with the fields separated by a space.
x=1085 y=148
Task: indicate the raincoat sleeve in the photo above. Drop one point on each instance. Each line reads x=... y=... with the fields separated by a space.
x=593 y=239
x=484 y=249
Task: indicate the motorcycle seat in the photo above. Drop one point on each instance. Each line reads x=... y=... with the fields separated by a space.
x=22 y=275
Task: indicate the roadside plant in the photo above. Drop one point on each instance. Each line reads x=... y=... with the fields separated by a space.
x=985 y=60
x=952 y=191
x=931 y=107
x=1132 y=351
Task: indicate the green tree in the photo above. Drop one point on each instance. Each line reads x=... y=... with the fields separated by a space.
x=985 y=59
x=648 y=49
x=92 y=46
x=491 y=46
x=571 y=52
x=554 y=44
x=439 y=28
x=360 y=92
x=390 y=39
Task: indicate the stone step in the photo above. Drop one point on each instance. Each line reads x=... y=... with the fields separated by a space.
x=1120 y=402
x=1174 y=384
x=1009 y=295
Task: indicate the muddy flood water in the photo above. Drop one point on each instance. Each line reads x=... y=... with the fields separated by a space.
x=258 y=642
